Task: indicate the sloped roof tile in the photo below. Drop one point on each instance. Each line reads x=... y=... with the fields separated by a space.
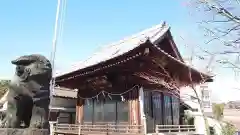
x=118 y=48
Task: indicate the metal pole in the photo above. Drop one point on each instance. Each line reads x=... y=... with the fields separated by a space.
x=54 y=47
x=52 y=57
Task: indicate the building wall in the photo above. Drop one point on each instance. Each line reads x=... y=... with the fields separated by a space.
x=66 y=117
x=160 y=109
x=107 y=111
x=115 y=109
x=63 y=106
x=62 y=117
x=188 y=96
x=63 y=102
x=206 y=97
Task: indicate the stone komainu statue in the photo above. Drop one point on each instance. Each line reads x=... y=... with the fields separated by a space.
x=28 y=95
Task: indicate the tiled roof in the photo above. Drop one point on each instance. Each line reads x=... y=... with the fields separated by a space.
x=154 y=35
x=116 y=49
x=64 y=92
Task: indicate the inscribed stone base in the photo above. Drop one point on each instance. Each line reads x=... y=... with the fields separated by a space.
x=26 y=131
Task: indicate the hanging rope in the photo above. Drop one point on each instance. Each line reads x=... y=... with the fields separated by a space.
x=109 y=94
x=171 y=92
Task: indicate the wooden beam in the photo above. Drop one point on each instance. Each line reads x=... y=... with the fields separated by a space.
x=129 y=66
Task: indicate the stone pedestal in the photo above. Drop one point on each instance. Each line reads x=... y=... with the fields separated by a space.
x=26 y=131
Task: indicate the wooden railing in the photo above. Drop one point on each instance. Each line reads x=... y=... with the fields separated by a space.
x=101 y=128
x=175 y=129
x=104 y=123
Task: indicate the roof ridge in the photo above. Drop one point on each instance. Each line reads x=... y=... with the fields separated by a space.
x=142 y=32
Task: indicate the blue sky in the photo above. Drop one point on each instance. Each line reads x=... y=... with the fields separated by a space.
x=27 y=27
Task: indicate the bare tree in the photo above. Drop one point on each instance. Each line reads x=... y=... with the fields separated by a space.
x=199 y=100
x=207 y=58
x=220 y=21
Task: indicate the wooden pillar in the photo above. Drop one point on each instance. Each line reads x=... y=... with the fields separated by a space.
x=79 y=111
x=133 y=108
x=70 y=118
x=130 y=109
x=141 y=110
x=163 y=108
x=171 y=102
